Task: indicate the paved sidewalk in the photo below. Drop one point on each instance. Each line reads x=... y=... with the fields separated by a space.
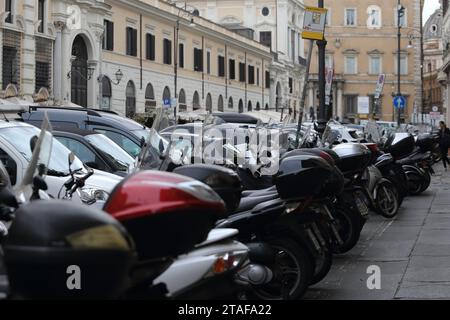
x=412 y=251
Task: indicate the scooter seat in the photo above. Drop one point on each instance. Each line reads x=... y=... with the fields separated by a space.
x=257 y=193
x=248 y=203
x=414 y=158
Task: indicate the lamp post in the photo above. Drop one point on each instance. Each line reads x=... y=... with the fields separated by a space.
x=182 y=13
x=323 y=114
x=400 y=14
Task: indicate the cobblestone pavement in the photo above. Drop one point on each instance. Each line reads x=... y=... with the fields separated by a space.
x=412 y=251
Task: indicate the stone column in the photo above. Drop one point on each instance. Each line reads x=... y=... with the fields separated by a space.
x=57 y=64
x=66 y=62
x=340 y=102
x=29 y=50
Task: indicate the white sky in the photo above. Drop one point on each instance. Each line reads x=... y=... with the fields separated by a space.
x=429 y=8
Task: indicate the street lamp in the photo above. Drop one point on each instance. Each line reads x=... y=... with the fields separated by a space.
x=183 y=13
x=400 y=14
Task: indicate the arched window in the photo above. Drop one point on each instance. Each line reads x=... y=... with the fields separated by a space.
x=209 y=103
x=106 y=93
x=258 y=106
x=150 y=101
x=196 y=101
x=130 y=105
x=230 y=103
x=250 y=107
x=182 y=101
x=241 y=106
x=220 y=104
x=166 y=96
x=374 y=17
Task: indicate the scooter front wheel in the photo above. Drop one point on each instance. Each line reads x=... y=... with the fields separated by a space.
x=293 y=271
x=387 y=199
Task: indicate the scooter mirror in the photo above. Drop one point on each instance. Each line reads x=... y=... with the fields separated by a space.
x=7 y=197
x=71 y=158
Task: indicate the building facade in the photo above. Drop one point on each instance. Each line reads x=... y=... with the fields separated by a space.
x=444 y=75
x=278 y=25
x=432 y=48
x=362 y=44
x=123 y=56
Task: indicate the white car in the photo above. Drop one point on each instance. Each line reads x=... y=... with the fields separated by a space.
x=15 y=153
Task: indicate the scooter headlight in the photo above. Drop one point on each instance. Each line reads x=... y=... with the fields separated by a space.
x=92 y=195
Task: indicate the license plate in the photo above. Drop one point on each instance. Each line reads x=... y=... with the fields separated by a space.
x=361 y=205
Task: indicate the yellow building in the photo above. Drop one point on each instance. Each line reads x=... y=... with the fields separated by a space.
x=362 y=44
x=123 y=55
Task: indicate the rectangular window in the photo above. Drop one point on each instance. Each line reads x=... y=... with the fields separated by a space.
x=198 y=60
x=293 y=45
x=131 y=42
x=167 y=51
x=291 y=85
x=9 y=8
x=350 y=17
x=251 y=74
x=351 y=104
x=375 y=65
x=181 y=55
x=403 y=64
x=257 y=77
x=150 y=40
x=267 y=79
x=221 y=66
x=41 y=15
x=108 y=37
x=232 y=66
x=242 y=72
x=350 y=65
x=265 y=38
x=208 y=62
x=328 y=61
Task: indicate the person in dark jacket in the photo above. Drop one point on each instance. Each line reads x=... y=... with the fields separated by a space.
x=444 y=142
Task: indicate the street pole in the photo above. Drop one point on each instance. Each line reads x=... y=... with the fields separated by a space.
x=322 y=116
x=421 y=61
x=399 y=35
x=176 y=68
x=303 y=97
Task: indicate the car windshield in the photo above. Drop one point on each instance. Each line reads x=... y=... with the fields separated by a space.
x=122 y=160
x=19 y=138
x=141 y=133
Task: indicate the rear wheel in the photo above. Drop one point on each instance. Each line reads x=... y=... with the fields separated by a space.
x=348 y=227
x=415 y=182
x=293 y=270
x=426 y=182
x=323 y=265
x=387 y=199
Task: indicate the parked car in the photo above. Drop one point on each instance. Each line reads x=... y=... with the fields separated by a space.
x=125 y=132
x=15 y=154
x=96 y=150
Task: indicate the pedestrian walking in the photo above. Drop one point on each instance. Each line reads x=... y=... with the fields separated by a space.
x=444 y=142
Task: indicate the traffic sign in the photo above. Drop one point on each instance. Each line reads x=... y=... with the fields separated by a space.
x=314 y=23
x=399 y=102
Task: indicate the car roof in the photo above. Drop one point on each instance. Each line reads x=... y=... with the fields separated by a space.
x=75 y=131
x=13 y=124
x=93 y=114
x=237 y=118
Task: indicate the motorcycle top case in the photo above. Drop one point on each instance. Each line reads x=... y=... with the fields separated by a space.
x=334 y=185
x=354 y=157
x=301 y=176
x=165 y=213
x=425 y=142
x=49 y=236
x=225 y=182
x=400 y=145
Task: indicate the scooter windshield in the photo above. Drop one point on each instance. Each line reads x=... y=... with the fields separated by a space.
x=330 y=135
